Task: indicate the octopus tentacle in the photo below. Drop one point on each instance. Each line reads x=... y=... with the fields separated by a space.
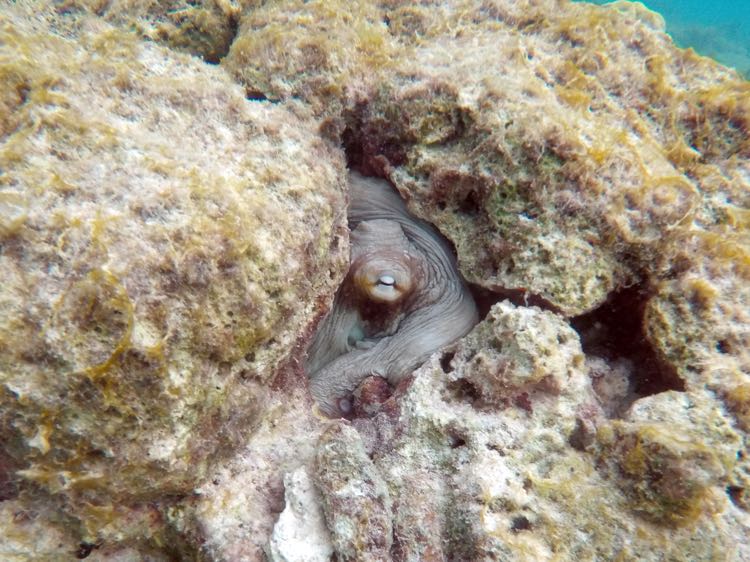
x=402 y=300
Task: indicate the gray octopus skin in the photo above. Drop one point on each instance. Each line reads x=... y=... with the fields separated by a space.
x=359 y=337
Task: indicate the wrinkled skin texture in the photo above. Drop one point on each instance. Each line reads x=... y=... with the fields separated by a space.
x=402 y=299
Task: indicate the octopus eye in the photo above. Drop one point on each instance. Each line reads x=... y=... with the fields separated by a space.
x=387 y=280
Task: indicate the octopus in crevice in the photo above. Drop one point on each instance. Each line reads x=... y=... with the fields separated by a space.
x=402 y=299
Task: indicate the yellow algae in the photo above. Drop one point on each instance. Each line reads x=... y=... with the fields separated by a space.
x=136 y=231
x=13 y=212
x=667 y=472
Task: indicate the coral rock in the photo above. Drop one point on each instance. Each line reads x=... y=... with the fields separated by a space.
x=172 y=247
x=355 y=497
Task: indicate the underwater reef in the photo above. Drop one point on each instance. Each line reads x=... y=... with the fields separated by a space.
x=173 y=231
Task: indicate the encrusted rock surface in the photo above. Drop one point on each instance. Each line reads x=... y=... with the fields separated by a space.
x=167 y=246
x=167 y=242
x=205 y=28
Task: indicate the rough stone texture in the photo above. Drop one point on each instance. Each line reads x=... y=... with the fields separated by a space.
x=167 y=244
x=501 y=128
x=237 y=506
x=576 y=159
x=517 y=478
x=204 y=28
x=313 y=50
x=300 y=534
x=354 y=496
x=669 y=454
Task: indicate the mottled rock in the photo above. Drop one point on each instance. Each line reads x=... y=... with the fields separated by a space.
x=355 y=498
x=312 y=50
x=673 y=452
x=204 y=28
x=240 y=502
x=511 y=484
x=515 y=353
x=168 y=244
x=166 y=247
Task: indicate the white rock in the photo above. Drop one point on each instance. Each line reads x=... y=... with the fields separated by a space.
x=300 y=534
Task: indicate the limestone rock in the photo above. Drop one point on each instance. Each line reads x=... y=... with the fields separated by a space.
x=204 y=28
x=354 y=496
x=168 y=243
x=242 y=498
x=512 y=484
x=167 y=247
x=300 y=535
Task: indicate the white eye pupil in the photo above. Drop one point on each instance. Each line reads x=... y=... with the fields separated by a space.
x=387 y=280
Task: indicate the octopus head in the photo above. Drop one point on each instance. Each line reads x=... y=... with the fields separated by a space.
x=383 y=267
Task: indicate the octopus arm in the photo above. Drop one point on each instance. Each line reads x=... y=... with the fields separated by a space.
x=422 y=332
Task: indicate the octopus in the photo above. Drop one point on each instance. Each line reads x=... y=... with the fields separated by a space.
x=401 y=300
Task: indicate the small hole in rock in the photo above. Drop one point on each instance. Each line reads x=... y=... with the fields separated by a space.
x=471 y=205
x=722 y=346
x=457 y=441
x=486 y=298
x=520 y=523
x=464 y=390
x=735 y=494
x=255 y=95
x=445 y=361
x=84 y=549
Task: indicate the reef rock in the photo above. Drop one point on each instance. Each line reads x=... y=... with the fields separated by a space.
x=165 y=243
x=167 y=248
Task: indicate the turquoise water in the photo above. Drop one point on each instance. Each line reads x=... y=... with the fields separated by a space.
x=718 y=28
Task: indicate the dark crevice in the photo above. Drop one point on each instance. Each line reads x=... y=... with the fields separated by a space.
x=735 y=495
x=615 y=330
x=486 y=298
x=463 y=391
x=445 y=361
x=520 y=523
x=84 y=549
x=215 y=56
x=255 y=95
x=371 y=148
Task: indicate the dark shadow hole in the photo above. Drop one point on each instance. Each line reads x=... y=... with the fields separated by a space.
x=472 y=204
x=464 y=390
x=735 y=494
x=352 y=149
x=255 y=95
x=520 y=523
x=215 y=56
x=615 y=330
x=486 y=298
x=84 y=549
x=445 y=361
x=371 y=149
x=456 y=441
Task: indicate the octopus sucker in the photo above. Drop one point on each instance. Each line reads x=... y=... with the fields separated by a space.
x=402 y=299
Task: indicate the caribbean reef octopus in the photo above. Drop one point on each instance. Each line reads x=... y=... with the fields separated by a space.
x=402 y=299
